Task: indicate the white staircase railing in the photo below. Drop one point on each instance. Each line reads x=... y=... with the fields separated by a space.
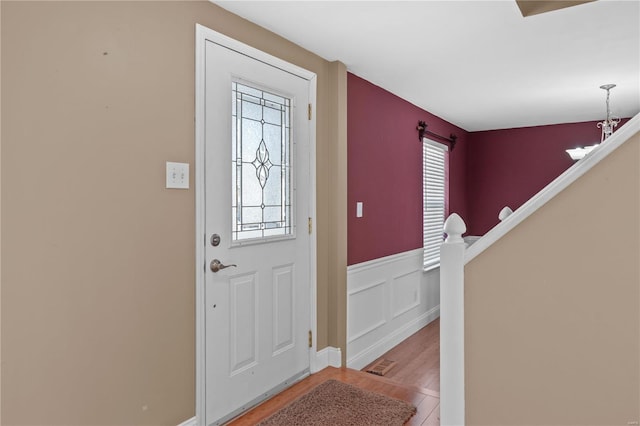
x=452 y=323
x=570 y=175
x=454 y=255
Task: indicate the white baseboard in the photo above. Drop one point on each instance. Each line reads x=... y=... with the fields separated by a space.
x=326 y=357
x=367 y=356
x=193 y=421
x=335 y=357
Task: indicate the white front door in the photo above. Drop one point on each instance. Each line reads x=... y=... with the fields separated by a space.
x=257 y=205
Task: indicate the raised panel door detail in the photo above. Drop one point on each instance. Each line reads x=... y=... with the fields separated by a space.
x=243 y=328
x=283 y=309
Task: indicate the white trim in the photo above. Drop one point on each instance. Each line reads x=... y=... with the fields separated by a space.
x=313 y=239
x=328 y=357
x=452 y=403
x=558 y=185
x=245 y=49
x=375 y=263
x=193 y=421
x=335 y=357
x=203 y=34
x=200 y=364
x=362 y=359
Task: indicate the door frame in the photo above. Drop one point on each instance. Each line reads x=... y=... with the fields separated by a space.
x=204 y=34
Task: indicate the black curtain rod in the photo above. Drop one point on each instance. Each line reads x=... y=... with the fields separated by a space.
x=422 y=131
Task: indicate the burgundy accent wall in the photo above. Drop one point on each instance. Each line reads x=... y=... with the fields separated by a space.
x=487 y=170
x=507 y=167
x=385 y=171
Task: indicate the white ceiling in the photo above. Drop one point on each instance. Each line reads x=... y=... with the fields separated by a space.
x=478 y=64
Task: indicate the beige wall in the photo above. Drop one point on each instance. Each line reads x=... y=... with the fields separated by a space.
x=338 y=214
x=551 y=310
x=98 y=277
x=332 y=219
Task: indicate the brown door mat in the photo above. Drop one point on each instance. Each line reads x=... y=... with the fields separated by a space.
x=341 y=404
x=381 y=367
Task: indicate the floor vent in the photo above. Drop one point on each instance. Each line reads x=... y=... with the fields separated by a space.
x=381 y=367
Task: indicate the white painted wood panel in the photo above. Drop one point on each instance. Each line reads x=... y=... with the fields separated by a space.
x=388 y=299
x=405 y=292
x=283 y=309
x=243 y=327
x=369 y=302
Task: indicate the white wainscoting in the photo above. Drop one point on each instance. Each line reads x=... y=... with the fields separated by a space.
x=388 y=299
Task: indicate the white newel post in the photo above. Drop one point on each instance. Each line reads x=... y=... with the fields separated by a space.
x=452 y=323
x=505 y=213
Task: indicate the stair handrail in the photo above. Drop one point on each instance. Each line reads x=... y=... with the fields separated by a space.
x=582 y=166
x=454 y=254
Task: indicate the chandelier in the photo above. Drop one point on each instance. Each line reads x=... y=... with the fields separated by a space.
x=607 y=129
x=610 y=122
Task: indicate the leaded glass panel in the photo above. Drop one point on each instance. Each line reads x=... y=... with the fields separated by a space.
x=261 y=169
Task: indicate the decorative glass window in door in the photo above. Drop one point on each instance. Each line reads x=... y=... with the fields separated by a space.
x=261 y=169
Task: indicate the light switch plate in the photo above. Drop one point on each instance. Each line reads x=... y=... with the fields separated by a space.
x=359 y=209
x=177 y=175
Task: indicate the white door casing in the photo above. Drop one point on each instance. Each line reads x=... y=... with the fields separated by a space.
x=253 y=319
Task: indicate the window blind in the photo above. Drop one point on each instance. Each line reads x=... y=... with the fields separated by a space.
x=433 y=192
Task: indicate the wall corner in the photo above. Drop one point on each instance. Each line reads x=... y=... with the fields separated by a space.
x=338 y=207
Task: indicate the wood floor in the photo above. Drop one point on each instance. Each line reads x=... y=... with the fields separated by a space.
x=415 y=379
x=418 y=359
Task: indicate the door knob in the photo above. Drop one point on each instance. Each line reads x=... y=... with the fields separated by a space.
x=216 y=265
